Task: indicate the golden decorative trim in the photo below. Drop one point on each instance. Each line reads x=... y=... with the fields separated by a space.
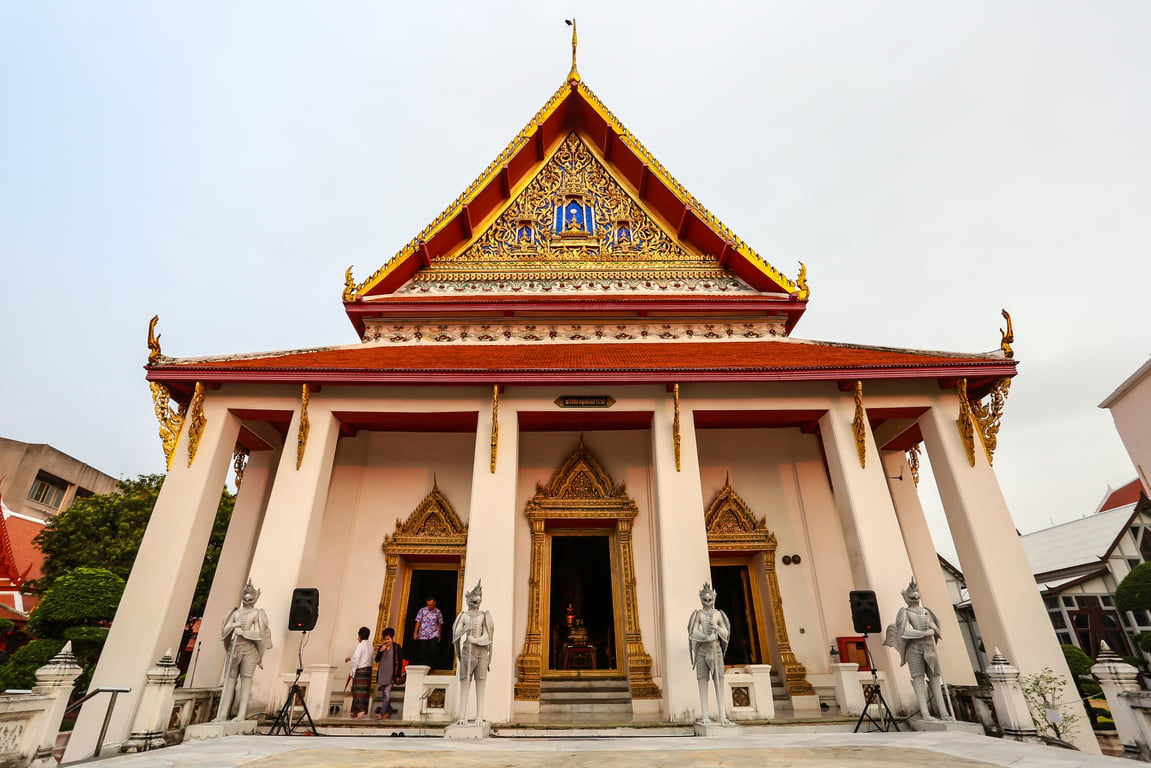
x=153 y=341
x=196 y=421
x=732 y=527
x=432 y=530
x=964 y=422
x=581 y=490
x=239 y=463
x=573 y=76
x=171 y=421
x=913 y=462
x=859 y=425
x=801 y=282
x=305 y=425
x=1007 y=336
x=675 y=426
x=495 y=425
x=989 y=414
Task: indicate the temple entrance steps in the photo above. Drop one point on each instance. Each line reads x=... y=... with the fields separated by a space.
x=600 y=696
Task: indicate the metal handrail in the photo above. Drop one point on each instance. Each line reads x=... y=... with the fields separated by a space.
x=107 y=713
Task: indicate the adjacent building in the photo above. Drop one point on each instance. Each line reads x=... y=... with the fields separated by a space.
x=39 y=481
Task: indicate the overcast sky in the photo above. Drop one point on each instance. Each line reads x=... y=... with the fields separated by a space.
x=221 y=164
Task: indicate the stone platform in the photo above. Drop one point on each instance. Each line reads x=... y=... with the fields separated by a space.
x=754 y=749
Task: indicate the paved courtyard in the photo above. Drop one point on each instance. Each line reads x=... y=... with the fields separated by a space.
x=753 y=749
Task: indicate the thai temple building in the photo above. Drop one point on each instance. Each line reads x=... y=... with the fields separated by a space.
x=578 y=387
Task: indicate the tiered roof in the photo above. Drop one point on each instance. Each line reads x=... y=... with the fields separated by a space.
x=576 y=257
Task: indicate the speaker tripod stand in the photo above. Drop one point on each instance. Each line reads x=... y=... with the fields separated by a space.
x=886 y=721
x=284 y=722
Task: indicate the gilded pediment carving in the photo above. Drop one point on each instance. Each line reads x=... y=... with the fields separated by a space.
x=731 y=524
x=580 y=477
x=433 y=523
x=573 y=218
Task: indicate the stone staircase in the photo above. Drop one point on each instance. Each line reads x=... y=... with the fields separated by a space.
x=565 y=697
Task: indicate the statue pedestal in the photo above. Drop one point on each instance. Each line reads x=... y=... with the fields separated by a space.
x=951 y=726
x=201 y=731
x=716 y=729
x=468 y=731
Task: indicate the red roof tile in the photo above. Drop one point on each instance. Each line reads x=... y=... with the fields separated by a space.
x=773 y=359
x=1121 y=497
x=21 y=532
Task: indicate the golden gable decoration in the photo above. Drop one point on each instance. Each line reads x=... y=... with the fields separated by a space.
x=732 y=527
x=573 y=218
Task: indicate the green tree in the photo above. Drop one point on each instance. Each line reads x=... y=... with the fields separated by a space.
x=1134 y=592
x=106 y=530
x=1052 y=714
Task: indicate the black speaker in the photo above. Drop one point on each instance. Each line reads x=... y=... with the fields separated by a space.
x=305 y=609
x=864 y=611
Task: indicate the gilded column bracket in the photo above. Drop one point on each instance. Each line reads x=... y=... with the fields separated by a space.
x=239 y=463
x=988 y=416
x=196 y=421
x=431 y=531
x=732 y=527
x=581 y=490
x=913 y=462
x=964 y=422
x=495 y=426
x=859 y=426
x=675 y=427
x=171 y=421
x=305 y=425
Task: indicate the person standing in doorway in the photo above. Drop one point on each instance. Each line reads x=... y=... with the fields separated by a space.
x=429 y=624
x=361 y=674
x=390 y=660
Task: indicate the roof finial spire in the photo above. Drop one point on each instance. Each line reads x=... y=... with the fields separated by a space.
x=573 y=76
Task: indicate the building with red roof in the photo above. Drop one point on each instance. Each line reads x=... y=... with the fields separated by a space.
x=580 y=388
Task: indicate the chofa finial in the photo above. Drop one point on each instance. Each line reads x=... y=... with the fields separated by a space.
x=1008 y=336
x=573 y=76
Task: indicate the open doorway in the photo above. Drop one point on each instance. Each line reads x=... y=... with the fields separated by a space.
x=581 y=605
x=443 y=585
x=734 y=597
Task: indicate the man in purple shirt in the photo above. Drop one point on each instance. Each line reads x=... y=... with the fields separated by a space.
x=429 y=622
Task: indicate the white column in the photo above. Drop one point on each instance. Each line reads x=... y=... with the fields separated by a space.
x=154 y=608
x=491 y=537
x=232 y=570
x=928 y=572
x=874 y=542
x=1004 y=595
x=289 y=533
x=682 y=557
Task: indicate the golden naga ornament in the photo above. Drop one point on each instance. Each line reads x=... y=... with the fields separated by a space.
x=495 y=426
x=801 y=281
x=153 y=341
x=859 y=425
x=305 y=425
x=239 y=464
x=913 y=462
x=1007 y=336
x=171 y=420
x=196 y=421
x=349 y=286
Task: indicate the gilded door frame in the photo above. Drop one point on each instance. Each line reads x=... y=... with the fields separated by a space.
x=432 y=536
x=582 y=493
x=732 y=528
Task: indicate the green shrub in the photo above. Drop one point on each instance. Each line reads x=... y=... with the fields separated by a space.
x=20 y=671
x=1077 y=660
x=80 y=597
x=1134 y=592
